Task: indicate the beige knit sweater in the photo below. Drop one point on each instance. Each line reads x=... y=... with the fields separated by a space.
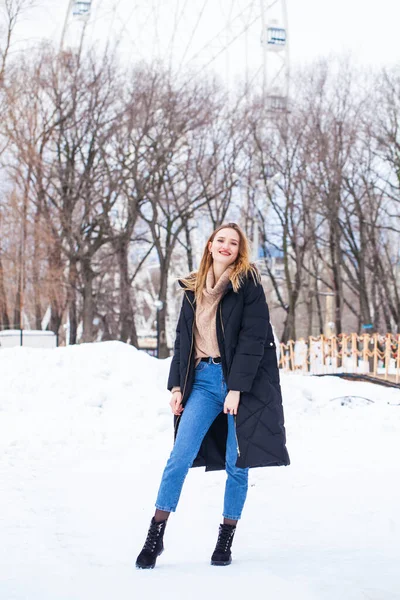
x=205 y=331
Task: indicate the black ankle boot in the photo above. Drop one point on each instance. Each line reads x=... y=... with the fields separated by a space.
x=153 y=545
x=222 y=554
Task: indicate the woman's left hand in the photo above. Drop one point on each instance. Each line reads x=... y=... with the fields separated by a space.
x=232 y=402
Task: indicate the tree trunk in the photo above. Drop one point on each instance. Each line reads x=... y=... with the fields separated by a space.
x=133 y=339
x=289 y=328
x=309 y=305
x=189 y=250
x=376 y=305
x=88 y=305
x=55 y=267
x=162 y=316
x=35 y=268
x=125 y=308
x=4 y=320
x=337 y=288
x=319 y=307
x=163 y=346
x=18 y=301
x=72 y=304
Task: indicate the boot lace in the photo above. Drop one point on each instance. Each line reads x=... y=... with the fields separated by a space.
x=224 y=539
x=152 y=537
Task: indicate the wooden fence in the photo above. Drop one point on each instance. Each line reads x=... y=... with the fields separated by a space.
x=376 y=355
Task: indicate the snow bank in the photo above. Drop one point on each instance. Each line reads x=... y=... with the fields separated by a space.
x=84 y=434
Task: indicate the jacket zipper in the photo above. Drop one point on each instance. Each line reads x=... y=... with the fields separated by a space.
x=237 y=441
x=187 y=370
x=220 y=316
x=234 y=416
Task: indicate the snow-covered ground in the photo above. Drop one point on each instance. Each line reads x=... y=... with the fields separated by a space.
x=84 y=435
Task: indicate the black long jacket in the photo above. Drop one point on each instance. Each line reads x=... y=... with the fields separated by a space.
x=249 y=364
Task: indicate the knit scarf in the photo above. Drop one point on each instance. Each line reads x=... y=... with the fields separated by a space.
x=205 y=333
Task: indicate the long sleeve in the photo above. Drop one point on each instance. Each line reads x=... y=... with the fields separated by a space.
x=174 y=372
x=251 y=341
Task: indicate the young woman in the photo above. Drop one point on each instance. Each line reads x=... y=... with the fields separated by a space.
x=224 y=379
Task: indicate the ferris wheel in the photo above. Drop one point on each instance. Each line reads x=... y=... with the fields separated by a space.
x=236 y=39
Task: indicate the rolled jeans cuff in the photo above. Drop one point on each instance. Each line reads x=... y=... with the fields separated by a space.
x=231 y=517
x=165 y=508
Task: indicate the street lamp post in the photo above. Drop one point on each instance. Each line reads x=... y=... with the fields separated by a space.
x=158 y=305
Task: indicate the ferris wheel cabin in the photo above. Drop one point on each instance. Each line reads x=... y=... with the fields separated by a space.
x=276 y=37
x=81 y=9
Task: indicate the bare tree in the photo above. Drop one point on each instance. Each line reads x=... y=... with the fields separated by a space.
x=283 y=217
x=10 y=13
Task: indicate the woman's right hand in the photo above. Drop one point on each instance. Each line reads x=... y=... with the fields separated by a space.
x=176 y=403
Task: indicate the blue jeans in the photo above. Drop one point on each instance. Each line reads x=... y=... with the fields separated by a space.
x=204 y=404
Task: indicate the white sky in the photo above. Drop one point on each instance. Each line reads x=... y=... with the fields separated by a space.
x=368 y=30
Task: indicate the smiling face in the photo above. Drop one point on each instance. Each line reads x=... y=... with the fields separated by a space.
x=225 y=246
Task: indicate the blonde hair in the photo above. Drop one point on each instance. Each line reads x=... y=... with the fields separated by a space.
x=242 y=267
